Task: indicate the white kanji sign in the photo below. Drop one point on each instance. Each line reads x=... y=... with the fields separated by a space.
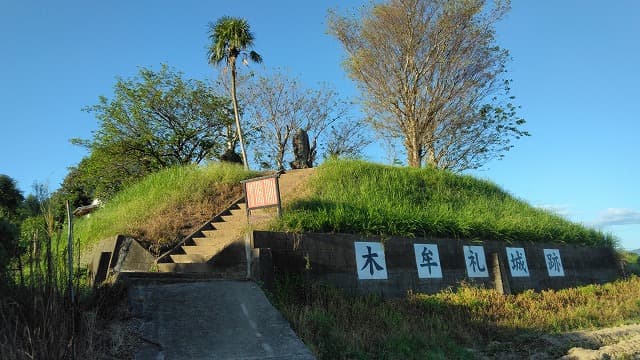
x=517 y=262
x=370 y=260
x=427 y=261
x=475 y=261
x=554 y=263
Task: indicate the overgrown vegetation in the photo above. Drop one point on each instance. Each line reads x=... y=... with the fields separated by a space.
x=39 y=319
x=167 y=205
x=631 y=262
x=40 y=322
x=360 y=197
x=341 y=326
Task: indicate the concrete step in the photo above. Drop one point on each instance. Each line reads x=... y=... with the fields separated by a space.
x=224 y=225
x=204 y=241
x=211 y=234
x=212 y=271
x=204 y=250
x=185 y=267
x=242 y=213
x=189 y=258
x=221 y=235
x=134 y=277
x=229 y=222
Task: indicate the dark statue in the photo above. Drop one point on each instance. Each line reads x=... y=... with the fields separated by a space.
x=301 y=151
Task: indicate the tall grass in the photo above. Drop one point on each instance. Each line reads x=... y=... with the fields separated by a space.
x=360 y=197
x=158 y=198
x=38 y=317
x=443 y=326
x=631 y=262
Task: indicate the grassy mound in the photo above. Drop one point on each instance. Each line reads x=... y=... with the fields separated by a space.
x=167 y=205
x=360 y=197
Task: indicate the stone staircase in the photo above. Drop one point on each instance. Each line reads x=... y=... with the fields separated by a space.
x=217 y=247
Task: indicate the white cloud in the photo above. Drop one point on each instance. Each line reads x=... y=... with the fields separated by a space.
x=617 y=216
x=558 y=209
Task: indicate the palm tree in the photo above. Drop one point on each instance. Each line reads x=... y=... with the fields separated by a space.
x=231 y=38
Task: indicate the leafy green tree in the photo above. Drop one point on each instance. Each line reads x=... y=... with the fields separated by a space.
x=31 y=206
x=154 y=120
x=10 y=196
x=431 y=76
x=33 y=238
x=10 y=201
x=82 y=183
x=231 y=38
x=8 y=242
x=160 y=118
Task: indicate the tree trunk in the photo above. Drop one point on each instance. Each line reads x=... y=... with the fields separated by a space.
x=234 y=99
x=431 y=156
x=280 y=156
x=414 y=158
x=414 y=151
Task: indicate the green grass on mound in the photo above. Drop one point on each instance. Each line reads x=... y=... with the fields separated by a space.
x=360 y=197
x=159 y=207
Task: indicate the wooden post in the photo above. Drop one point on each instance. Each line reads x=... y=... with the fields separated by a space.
x=278 y=196
x=500 y=277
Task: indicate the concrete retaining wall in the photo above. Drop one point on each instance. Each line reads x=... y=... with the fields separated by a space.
x=332 y=258
x=117 y=254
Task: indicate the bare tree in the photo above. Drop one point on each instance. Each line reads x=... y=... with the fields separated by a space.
x=280 y=105
x=324 y=109
x=347 y=139
x=431 y=75
x=276 y=107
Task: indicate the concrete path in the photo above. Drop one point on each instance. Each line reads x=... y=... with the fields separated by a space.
x=214 y=319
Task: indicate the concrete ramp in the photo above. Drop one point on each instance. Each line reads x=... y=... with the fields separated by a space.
x=211 y=319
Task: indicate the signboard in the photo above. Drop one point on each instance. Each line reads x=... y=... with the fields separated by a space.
x=475 y=261
x=370 y=261
x=428 y=261
x=517 y=262
x=262 y=192
x=554 y=263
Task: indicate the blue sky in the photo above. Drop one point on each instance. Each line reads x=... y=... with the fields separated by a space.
x=574 y=70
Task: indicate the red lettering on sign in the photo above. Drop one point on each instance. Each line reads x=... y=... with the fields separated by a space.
x=261 y=193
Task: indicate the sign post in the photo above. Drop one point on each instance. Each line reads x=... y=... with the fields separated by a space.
x=262 y=192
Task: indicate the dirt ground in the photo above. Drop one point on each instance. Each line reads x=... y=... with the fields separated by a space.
x=622 y=342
